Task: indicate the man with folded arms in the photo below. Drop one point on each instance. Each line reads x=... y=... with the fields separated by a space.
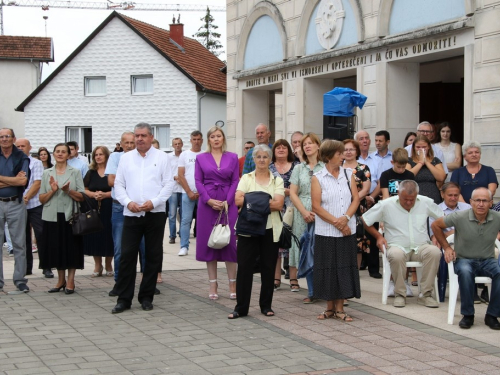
x=474 y=254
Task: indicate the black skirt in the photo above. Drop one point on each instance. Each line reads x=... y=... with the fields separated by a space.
x=101 y=243
x=60 y=249
x=336 y=273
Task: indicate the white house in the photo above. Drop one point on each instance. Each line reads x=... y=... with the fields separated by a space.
x=124 y=73
x=21 y=62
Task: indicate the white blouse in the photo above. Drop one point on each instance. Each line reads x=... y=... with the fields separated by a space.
x=336 y=199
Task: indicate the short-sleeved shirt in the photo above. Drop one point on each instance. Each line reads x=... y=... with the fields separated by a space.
x=474 y=240
x=187 y=160
x=404 y=229
x=390 y=180
x=173 y=160
x=461 y=206
x=112 y=167
x=36 y=169
x=483 y=178
x=275 y=186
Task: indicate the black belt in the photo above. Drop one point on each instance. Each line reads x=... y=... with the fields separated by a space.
x=10 y=199
x=115 y=201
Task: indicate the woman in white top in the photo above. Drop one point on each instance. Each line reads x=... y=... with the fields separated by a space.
x=335 y=201
x=452 y=151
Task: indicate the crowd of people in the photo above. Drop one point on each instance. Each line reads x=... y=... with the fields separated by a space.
x=356 y=203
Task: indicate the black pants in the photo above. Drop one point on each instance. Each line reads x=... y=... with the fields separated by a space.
x=34 y=219
x=152 y=227
x=372 y=258
x=249 y=249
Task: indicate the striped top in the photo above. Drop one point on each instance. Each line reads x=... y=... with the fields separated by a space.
x=336 y=199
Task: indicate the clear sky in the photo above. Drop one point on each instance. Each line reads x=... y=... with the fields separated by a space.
x=70 y=27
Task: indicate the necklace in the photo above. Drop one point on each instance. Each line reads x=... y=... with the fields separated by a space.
x=282 y=169
x=60 y=172
x=474 y=174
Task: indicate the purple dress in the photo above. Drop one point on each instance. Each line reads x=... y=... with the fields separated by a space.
x=215 y=183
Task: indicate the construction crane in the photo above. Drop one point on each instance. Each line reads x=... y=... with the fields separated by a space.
x=108 y=5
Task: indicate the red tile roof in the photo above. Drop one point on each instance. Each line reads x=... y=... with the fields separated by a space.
x=195 y=60
x=26 y=47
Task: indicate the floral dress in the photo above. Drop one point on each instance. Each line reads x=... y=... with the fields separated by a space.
x=286 y=180
x=301 y=177
x=361 y=174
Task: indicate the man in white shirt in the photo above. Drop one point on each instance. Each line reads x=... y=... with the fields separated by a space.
x=75 y=161
x=143 y=184
x=33 y=206
x=174 y=202
x=190 y=194
x=406 y=238
x=425 y=128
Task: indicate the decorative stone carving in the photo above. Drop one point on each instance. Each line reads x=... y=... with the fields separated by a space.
x=329 y=21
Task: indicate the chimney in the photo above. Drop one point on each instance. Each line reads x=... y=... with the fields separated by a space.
x=177 y=33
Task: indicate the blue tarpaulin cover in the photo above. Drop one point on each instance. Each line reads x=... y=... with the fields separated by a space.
x=341 y=102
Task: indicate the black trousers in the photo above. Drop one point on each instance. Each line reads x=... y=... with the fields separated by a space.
x=372 y=258
x=248 y=251
x=152 y=227
x=34 y=219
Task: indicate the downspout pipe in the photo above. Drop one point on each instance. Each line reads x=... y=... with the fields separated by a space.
x=199 y=109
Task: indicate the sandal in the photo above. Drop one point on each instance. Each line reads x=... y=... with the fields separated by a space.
x=98 y=274
x=294 y=287
x=277 y=285
x=268 y=312
x=110 y=273
x=213 y=296
x=342 y=315
x=308 y=300
x=234 y=315
x=232 y=295
x=346 y=302
x=327 y=314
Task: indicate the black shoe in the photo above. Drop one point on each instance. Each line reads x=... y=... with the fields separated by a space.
x=363 y=266
x=23 y=288
x=477 y=300
x=157 y=291
x=466 y=322
x=283 y=272
x=57 y=290
x=119 y=308
x=172 y=240
x=287 y=275
x=147 y=306
x=48 y=274
x=69 y=291
x=376 y=275
x=113 y=293
x=29 y=273
x=491 y=321
x=485 y=298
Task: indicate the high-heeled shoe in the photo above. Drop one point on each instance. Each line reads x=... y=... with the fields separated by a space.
x=232 y=295
x=213 y=296
x=57 y=290
x=69 y=291
x=98 y=274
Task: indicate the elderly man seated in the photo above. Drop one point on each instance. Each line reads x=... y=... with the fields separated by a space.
x=474 y=254
x=406 y=238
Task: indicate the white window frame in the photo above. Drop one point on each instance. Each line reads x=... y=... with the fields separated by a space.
x=76 y=133
x=165 y=145
x=133 y=80
x=96 y=78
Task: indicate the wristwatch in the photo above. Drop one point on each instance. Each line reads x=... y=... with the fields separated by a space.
x=348 y=217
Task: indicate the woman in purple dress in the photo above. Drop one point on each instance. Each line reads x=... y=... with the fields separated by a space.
x=216 y=176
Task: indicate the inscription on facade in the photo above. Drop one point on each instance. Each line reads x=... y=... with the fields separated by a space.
x=356 y=61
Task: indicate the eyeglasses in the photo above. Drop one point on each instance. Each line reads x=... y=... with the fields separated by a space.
x=262 y=157
x=350 y=150
x=5 y=136
x=425 y=131
x=481 y=201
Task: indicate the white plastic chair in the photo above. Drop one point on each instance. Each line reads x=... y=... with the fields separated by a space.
x=386 y=277
x=453 y=277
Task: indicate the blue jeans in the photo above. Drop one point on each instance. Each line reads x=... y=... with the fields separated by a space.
x=116 y=231
x=467 y=270
x=310 y=283
x=188 y=207
x=174 y=202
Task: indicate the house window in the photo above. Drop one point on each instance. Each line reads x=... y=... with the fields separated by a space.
x=162 y=135
x=142 y=85
x=95 y=86
x=82 y=136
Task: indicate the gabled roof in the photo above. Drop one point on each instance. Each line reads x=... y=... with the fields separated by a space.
x=194 y=60
x=26 y=48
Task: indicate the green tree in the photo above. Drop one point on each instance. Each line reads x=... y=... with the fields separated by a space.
x=208 y=36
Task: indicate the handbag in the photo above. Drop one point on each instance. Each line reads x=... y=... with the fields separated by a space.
x=360 y=228
x=288 y=216
x=86 y=222
x=221 y=233
x=286 y=237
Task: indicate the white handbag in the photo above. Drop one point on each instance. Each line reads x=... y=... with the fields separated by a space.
x=288 y=216
x=221 y=233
